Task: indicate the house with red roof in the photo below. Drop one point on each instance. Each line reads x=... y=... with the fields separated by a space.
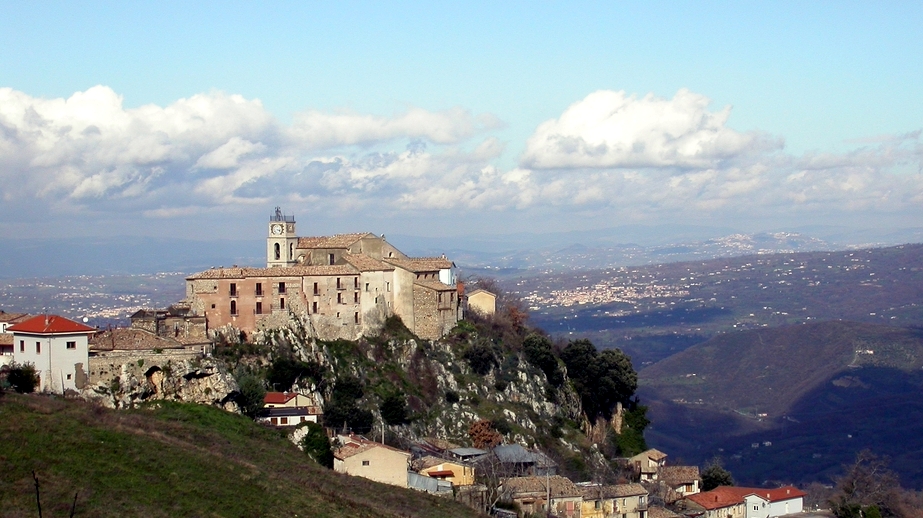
x=58 y=349
x=361 y=457
x=290 y=408
x=745 y=502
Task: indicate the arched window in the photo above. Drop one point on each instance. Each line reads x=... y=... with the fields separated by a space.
x=278 y=252
x=233 y=307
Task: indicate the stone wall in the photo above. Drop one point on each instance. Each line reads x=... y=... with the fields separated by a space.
x=105 y=366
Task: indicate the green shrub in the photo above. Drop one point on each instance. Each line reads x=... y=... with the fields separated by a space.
x=394 y=409
x=22 y=377
x=317 y=446
x=481 y=358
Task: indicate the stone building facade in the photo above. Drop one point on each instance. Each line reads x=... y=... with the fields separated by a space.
x=343 y=286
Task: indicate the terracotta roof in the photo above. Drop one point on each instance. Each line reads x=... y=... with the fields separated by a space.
x=336 y=241
x=441 y=473
x=655 y=511
x=357 y=445
x=12 y=318
x=364 y=263
x=192 y=340
x=778 y=494
x=49 y=324
x=428 y=462
x=279 y=398
x=130 y=339
x=612 y=491
x=433 y=285
x=559 y=486
x=279 y=271
x=422 y=264
x=724 y=496
x=655 y=455
x=679 y=474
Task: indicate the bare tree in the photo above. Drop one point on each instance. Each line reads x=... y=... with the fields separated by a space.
x=867 y=487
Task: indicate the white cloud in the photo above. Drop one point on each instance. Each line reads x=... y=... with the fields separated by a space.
x=610 y=129
x=621 y=157
x=323 y=130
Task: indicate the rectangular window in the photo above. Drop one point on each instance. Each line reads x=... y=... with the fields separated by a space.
x=314 y=307
x=233 y=289
x=440 y=298
x=281 y=287
x=356 y=297
x=339 y=298
x=365 y=463
x=259 y=308
x=259 y=289
x=366 y=286
x=284 y=420
x=69 y=376
x=38 y=347
x=332 y=258
x=388 y=285
x=71 y=345
x=338 y=283
x=356 y=282
x=356 y=317
x=22 y=346
x=282 y=303
x=316 y=289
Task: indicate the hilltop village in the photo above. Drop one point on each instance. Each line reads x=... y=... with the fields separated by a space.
x=343 y=288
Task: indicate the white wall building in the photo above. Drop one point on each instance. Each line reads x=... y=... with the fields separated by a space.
x=57 y=347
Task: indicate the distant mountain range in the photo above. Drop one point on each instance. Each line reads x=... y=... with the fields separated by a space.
x=495 y=255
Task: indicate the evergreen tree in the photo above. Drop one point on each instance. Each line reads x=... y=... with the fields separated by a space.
x=317 y=446
x=715 y=475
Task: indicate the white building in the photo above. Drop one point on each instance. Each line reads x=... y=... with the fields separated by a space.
x=57 y=347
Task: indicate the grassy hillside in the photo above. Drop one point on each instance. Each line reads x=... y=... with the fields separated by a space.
x=174 y=460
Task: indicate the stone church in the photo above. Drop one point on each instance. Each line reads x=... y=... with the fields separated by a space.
x=344 y=286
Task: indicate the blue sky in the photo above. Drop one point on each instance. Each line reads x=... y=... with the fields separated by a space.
x=473 y=118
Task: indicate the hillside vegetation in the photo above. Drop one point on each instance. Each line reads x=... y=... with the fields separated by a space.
x=793 y=404
x=172 y=459
x=651 y=312
x=769 y=370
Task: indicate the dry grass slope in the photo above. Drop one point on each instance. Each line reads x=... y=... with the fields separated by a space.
x=175 y=460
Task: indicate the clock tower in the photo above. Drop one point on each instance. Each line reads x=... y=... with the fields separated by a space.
x=281 y=243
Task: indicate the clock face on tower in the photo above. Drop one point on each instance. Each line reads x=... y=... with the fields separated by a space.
x=277 y=229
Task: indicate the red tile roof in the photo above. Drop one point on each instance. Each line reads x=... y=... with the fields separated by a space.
x=12 y=317
x=279 y=398
x=130 y=339
x=278 y=271
x=725 y=496
x=50 y=324
x=357 y=444
x=442 y=473
x=336 y=241
x=422 y=264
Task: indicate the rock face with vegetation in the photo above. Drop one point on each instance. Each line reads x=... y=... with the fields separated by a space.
x=572 y=401
x=204 y=381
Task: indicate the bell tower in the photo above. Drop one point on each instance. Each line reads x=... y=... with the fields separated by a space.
x=281 y=243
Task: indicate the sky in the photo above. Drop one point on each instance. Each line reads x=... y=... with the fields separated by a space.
x=196 y=119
